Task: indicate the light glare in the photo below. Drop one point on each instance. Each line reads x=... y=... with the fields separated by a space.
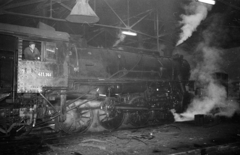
x=208 y=1
x=130 y=33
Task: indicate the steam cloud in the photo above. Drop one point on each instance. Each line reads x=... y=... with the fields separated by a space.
x=196 y=12
x=213 y=100
x=121 y=38
x=209 y=60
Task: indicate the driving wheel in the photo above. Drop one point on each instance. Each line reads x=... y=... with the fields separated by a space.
x=79 y=117
x=138 y=117
x=109 y=117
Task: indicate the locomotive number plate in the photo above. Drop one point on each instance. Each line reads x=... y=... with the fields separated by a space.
x=45 y=74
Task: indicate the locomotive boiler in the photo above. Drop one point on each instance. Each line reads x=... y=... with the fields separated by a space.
x=71 y=84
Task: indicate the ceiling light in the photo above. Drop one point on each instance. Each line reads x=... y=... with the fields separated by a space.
x=130 y=33
x=212 y=2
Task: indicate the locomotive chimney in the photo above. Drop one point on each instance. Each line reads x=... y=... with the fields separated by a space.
x=82 y=13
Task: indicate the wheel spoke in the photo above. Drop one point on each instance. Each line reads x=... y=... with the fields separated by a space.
x=84 y=112
x=138 y=118
x=105 y=118
x=84 y=117
x=102 y=114
x=110 y=118
x=78 y=120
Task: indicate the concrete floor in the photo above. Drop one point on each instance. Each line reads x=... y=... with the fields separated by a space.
x=220 y=137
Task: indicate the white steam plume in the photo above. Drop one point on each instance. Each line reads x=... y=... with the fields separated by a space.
x=213 y=99
x=121 y=38
x=206 y=60
x=196 y=12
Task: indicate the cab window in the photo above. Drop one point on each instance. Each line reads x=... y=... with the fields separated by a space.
x=31 y=50
x=51 y=51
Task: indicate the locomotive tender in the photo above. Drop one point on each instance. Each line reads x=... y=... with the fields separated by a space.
x=72 y=84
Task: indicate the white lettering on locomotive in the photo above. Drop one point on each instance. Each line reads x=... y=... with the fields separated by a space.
x=45 y=74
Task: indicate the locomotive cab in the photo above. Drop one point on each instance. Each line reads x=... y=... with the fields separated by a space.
x=28 y=86
x=46 y=70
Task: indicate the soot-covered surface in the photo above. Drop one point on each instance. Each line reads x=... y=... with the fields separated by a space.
x=177 y=138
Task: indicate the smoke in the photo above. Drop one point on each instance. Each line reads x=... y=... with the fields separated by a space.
x=212 y=99
x=121 y=38
x=195 y=13
x=213 y=102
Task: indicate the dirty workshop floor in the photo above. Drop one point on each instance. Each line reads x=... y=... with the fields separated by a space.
x=175 y=138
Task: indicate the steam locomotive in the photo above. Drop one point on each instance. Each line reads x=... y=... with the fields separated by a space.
x=72 y=84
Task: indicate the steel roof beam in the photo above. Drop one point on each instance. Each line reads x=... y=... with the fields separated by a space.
x=16 y=5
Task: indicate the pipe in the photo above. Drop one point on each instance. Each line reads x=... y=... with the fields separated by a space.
x=48 y=102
